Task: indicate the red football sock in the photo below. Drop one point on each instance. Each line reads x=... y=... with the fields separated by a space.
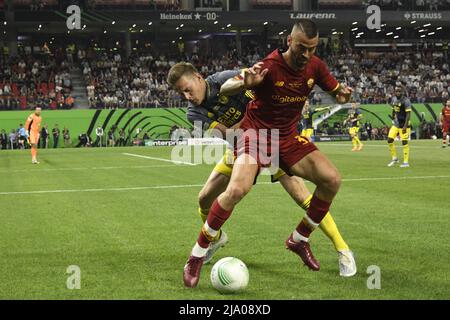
x=216 y=218
x=316 y=212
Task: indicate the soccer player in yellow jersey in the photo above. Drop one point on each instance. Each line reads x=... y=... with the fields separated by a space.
x=33 y=126
x=401 y=114
x=307 y=119
x=353 y=121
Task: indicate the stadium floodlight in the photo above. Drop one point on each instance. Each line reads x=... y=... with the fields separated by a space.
x=427 y=25
x=113 y=22
x=181 y=25
x=141 y=30
x=354 y=29
x=199 y=30
x=423 y=36
x=105 y=31
x=396 y=37
x=439 y=28
x=389 y=33
x=431 y=33
x=265 y=23
x=335 y=32
x=414 y=21
x=421 y=30
x=181 y=38
x=280 y=33
x=216 y=22
x=228 y=25
x=150 y=23
x=361 y=33
x=378 y=30
x=177 y=28
x=398 y=28
x=5 y=23
x=354 y=23
x=134 y=25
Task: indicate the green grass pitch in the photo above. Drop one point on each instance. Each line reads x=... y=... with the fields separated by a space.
x=129 y=223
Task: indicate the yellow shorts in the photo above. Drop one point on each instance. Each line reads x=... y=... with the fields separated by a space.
x=34 y=138
x=353 y=130
x=394 y=131
x=225 y=166
x=307 y=132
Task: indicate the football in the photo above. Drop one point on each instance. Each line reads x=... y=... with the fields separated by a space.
x=229 y=275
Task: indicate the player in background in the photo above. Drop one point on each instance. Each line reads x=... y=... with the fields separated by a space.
x=282 y=85
x=401 y=114
x=307 y=119
x=445 y=123
x=33 y=125
x=218 y=111
x=353 y=123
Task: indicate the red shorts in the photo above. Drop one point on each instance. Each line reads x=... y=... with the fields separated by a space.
x=268 y=149
x=445 y=127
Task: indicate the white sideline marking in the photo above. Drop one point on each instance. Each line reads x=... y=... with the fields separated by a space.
x=349 y=144
x=89 y=168
x=200 y=185
x=159 y=159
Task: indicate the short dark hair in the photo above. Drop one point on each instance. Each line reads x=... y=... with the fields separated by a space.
x=307 y=26
x=178 y=70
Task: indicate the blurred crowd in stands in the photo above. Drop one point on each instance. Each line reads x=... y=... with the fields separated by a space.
x=112 y=80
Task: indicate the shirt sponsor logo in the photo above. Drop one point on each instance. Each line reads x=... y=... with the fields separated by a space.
x=310 y=82
x=279 y=83
x=289 y=99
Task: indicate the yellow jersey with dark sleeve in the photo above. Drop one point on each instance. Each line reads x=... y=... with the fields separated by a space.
x=354 y=118
x=307 y=119
x=400 y=109
x=217 y=108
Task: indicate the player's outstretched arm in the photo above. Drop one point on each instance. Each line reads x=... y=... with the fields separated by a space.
x=248 y=79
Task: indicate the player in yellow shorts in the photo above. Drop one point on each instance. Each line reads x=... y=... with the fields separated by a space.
x=353 y=122
x=216 y=111
x=401 y=114
x=307 y=119
x=33 y=125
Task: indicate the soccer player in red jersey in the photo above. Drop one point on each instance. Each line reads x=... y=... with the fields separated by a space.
x=445 y=123
x=281 y=86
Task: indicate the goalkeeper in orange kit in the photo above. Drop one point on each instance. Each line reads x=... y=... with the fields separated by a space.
x=33 y=126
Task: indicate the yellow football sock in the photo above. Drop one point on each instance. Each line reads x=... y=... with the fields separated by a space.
x=358 y=142
x=392 y=150
x=328 y=226
x=354 y=143
x=204 y=215
x=330 y=229
x=406 y=153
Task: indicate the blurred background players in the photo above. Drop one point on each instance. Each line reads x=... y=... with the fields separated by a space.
x=445 y=122
x=307 y=119
x=401 y=114
x=33 y=125
x=353 y=123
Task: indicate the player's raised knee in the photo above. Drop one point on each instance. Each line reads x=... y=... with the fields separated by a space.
x=236 y=192
x=333 y=181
